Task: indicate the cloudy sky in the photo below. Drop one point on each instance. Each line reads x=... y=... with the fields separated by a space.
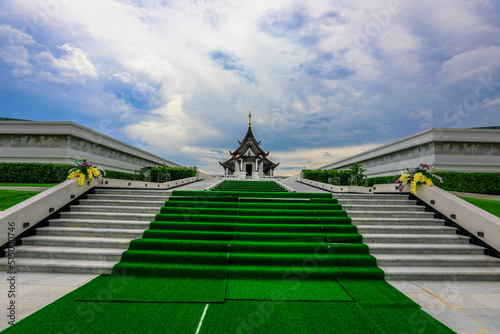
x=323 y=79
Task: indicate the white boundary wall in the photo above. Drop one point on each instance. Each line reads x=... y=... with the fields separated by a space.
x=464 y=214
x=460 y=150
x=40 y=206
x=468 y=216
x=65 y=142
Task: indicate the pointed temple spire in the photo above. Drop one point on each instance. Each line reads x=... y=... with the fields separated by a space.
x=250 y=119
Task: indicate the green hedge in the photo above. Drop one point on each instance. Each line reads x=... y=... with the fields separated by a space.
x=382 y=180
x=324 y=175
x=481 y=183
x=33 y=172
x=112 y=174
x=176 y=173
x=56 y=173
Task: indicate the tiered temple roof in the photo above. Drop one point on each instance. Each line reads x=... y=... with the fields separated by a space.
x=249 y=151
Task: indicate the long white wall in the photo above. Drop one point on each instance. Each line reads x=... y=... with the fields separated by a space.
x=65 y=142
x=461 y=150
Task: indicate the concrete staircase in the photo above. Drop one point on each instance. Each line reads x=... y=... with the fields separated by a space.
x=411 y=244
x=91 y=237
x=408 y=242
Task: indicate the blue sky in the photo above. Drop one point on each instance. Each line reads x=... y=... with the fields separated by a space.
x=323 y=79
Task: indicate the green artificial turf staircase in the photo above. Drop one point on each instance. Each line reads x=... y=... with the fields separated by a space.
x=251 y=245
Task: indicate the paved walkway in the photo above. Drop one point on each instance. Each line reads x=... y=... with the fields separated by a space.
x=465 y=307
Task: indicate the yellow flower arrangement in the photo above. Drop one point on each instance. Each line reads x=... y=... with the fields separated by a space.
x=417 y=176
x=85 y=170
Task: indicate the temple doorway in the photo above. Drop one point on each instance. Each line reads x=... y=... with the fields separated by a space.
x=249 y=170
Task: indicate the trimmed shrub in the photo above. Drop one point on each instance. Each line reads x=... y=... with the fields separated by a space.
x=112 y=174
x=382 y=180
x=33 y=172
x=56 y=173
x=176 y=173
x=481 y=183
x=324 y=175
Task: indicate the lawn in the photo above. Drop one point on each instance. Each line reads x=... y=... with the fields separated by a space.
x=10 y=198
x=28 y=184
x=491 y=206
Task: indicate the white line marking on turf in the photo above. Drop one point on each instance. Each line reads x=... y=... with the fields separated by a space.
x=201 y=320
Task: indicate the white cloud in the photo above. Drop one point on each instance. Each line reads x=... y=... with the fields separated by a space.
x=123 y=76
x=169 y=128
x=74 y=66
x=492 y=104
x=156 y=71
x=470 y=65
x=13 y=50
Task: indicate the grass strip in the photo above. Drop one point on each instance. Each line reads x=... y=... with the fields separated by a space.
x=9 y=198
x=174 y=257
x=223 y=235
x=376 y=293
x=288 y=273
x=156 y=290
x=66 y=315
x=285 y=290
x=294 y=228
x=180 y=245
x=490 y=206
x=293 y=205
x=45 y=185
x=175 y=270
x=263 y=317
x=237 y=194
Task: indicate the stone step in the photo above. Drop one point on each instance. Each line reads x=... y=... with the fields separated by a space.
x=397 y=221
x=442 y=273
x=437 y=230
x=377 y=201
x=363 y=207
x=107 y=216
x=415 y=238
x=90 y=232
x=79 y=253
x=429 y=260
x=120 y=224
x=125 y=197
x=120 y=203
x=400 y=248
x=59 y=241
x=113 y=209
x=145 y=192
x=343 y=196
x=60 y=266
x=390 y=214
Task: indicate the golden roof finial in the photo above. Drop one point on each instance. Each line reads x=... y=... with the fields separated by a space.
x=250 y=119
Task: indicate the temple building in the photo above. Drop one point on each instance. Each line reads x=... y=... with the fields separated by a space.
x=249 y=161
